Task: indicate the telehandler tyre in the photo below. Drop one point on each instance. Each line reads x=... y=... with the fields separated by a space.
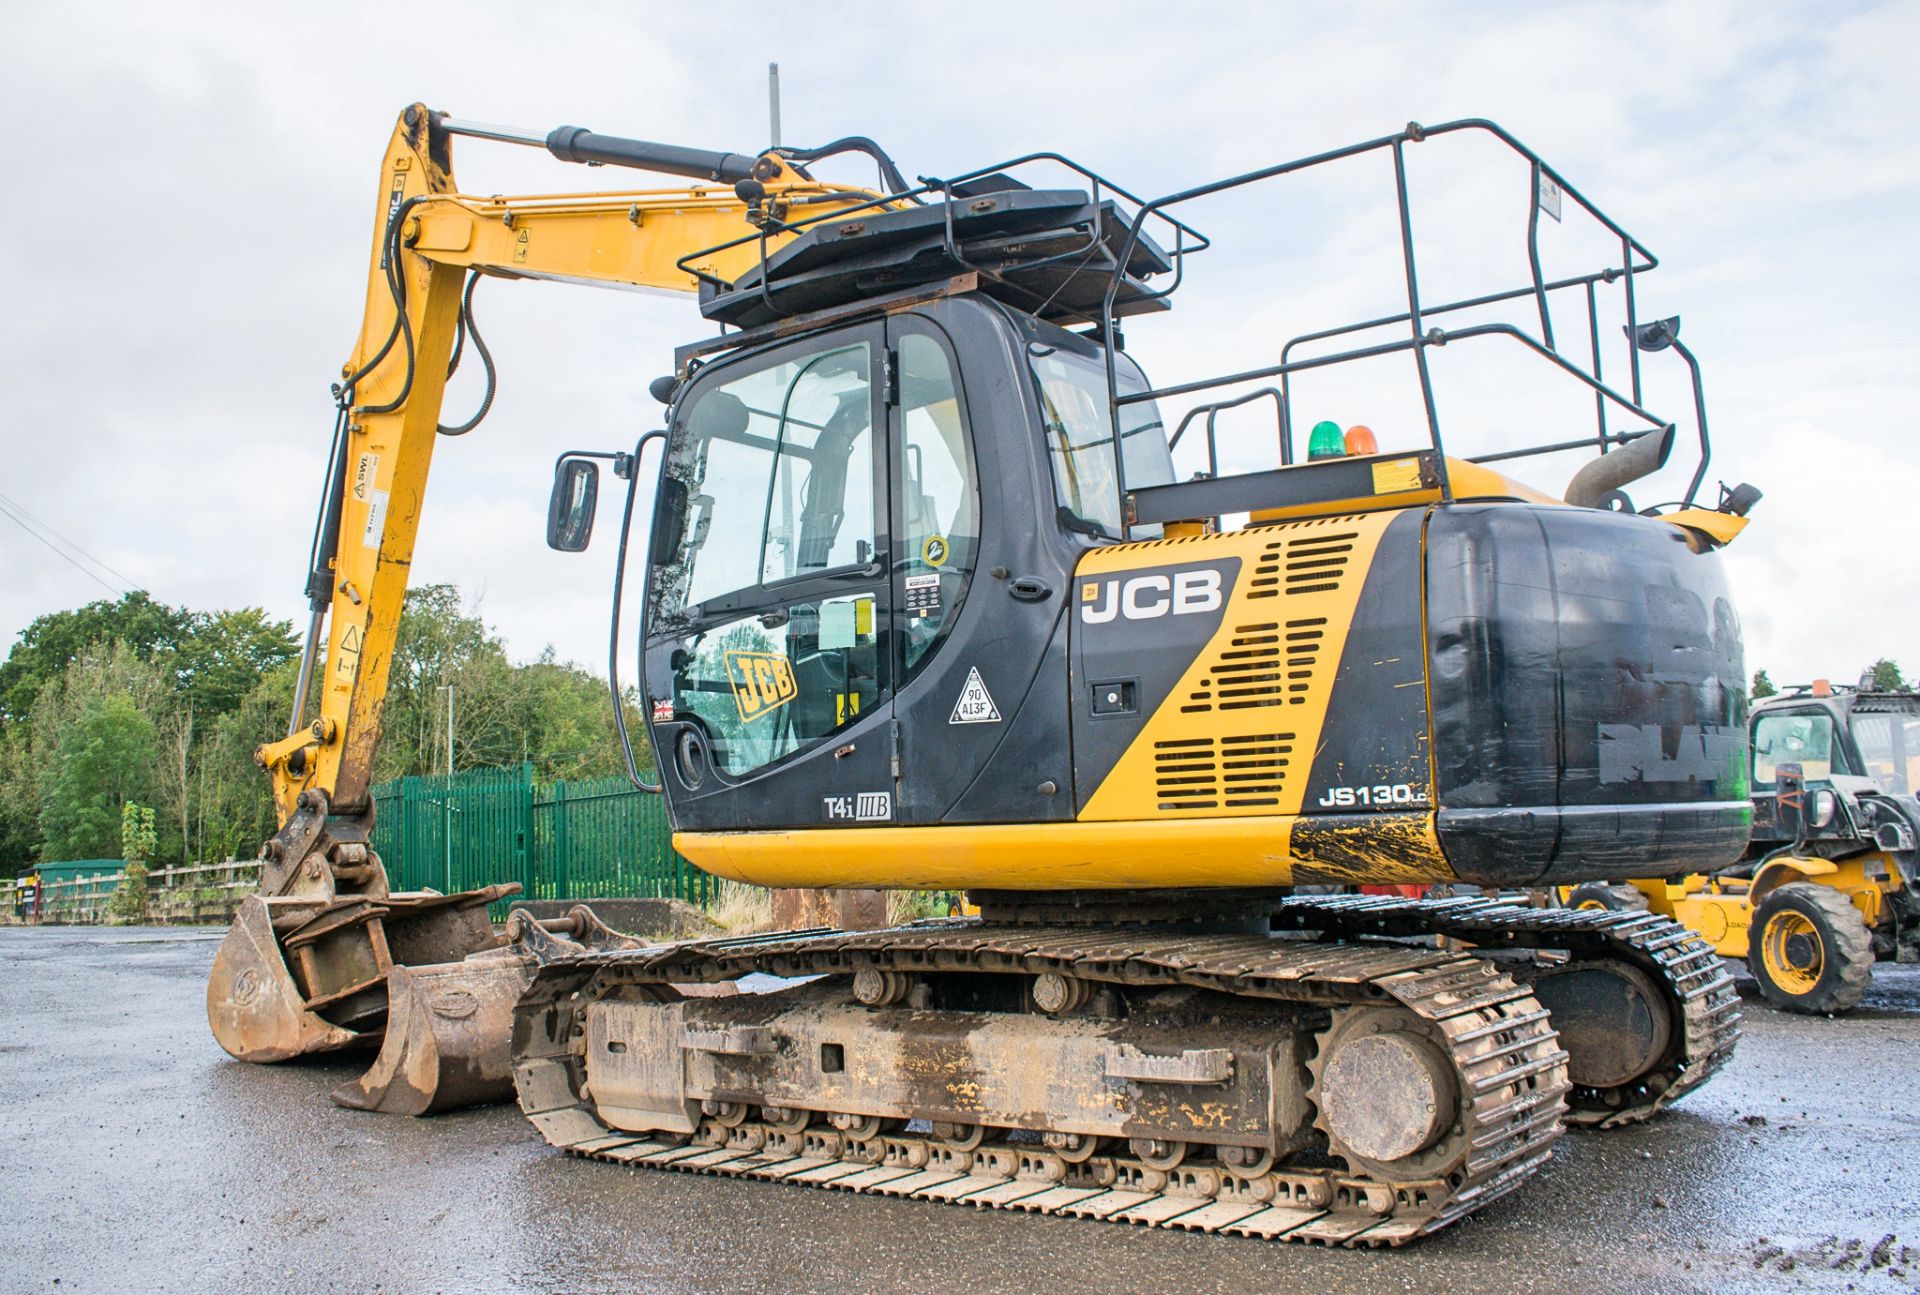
x=1615 y=899
x=1809 y=950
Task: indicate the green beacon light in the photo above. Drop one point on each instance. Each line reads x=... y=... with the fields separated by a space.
x=1326 y=441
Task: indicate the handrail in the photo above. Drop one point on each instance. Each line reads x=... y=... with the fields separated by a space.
x=1634 y=258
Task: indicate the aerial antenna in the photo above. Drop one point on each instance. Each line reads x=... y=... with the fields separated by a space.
x=773 y=102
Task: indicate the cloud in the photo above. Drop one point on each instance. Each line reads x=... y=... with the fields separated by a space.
x=194 y=190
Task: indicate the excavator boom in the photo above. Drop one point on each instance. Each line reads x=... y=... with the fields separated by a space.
x=306 y=964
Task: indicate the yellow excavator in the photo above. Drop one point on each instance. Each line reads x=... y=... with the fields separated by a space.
x=926 y=604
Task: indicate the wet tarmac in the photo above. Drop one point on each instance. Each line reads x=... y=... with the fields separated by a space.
x=138 y=1157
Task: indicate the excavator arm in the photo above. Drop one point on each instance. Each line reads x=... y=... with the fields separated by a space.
x=306 y=965
x=429 y=240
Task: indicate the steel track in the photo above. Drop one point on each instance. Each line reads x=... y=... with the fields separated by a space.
x=1503 y=1049
x=1701 y=998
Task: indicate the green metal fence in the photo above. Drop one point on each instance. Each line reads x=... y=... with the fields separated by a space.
x=592 y=839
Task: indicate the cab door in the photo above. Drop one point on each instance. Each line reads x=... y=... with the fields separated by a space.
x=770 y=656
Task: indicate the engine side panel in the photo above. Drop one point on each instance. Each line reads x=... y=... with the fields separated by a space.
x=1588 y=693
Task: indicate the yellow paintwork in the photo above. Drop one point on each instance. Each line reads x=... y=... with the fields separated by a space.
x=1128 y=791
x=623 y=239
x=1720 y=909
x=1123 y=839
x=1718 y=527
x=1012 y=856
x=1776 y=951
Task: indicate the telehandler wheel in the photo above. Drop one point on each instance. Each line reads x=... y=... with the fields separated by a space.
x=1809 y=950
x=1615 y=899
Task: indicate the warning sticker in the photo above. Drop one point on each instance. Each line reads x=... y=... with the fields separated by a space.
x=376 y=518
x=923 y=596
x=976 y=703
x=365 y=469
x=1395 y=475
x=1549 y=198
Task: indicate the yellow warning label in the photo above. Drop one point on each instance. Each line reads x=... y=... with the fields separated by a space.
x=1395 y=475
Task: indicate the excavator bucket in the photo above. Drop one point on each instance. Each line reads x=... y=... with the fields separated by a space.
x=449 y=1025
x=297 y=976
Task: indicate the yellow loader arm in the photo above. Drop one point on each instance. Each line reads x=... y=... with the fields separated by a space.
x=429 y=243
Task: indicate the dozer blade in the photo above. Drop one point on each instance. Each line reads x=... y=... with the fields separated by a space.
x=450 y=1026
x=298 y=976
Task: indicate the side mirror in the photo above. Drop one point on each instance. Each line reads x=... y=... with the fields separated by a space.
x=576 y=490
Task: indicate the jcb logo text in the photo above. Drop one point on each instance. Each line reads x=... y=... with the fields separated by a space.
x=1145 y=598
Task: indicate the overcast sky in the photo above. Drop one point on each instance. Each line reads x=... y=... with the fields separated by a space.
x=190 y=188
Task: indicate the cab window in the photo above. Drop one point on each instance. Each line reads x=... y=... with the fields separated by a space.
x=777 y=469
x=1805 y=739
x=939 y=496
x=773 y=584
x=767 y=685
x=1887 y=745
x=1079 y=432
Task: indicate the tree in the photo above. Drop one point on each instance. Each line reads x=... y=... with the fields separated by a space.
x=44 y=649
x=1762 y=686
x=105 y=757
x=234 y=812
x=137 y=835
x=1886 y=676
x=223 y=655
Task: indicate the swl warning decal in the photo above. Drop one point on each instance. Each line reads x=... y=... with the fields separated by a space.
x=976 y=703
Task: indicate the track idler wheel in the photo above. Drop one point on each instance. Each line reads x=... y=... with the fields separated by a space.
x=960 y=1137
x=1612 y=1018
x=1248 y=1162
x=1158 y=1153
x=1074 y=1148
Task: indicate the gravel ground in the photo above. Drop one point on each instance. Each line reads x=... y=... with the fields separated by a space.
x=140 y=1158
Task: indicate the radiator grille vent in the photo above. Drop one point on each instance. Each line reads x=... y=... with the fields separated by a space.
x=1266 y=572
x=1266 y=664
x=1221 y=773
x=1318 y=565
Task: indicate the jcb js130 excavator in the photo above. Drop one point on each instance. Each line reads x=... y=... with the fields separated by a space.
x=926 y=605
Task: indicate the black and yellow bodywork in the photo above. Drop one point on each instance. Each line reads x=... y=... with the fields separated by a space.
x=1384 y=688
x=927 y=607
x=1827 y=886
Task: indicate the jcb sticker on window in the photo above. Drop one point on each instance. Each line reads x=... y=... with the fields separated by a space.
x=762 y=682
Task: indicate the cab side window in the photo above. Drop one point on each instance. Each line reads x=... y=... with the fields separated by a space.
x=939 y=496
